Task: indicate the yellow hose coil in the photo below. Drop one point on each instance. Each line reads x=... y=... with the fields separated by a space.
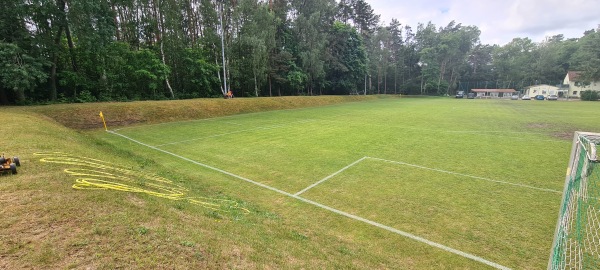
x=94 y=174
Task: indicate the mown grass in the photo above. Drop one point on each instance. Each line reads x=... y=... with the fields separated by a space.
x=47 y=224
x=524 y=143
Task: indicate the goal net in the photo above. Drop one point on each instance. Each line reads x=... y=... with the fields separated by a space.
x=577 y=237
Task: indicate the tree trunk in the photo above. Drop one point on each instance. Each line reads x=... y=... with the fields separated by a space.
x=53 y=82
x=365 y=85
x=385 y=83
x=162 y=53
x=270 y=87
x=396 y=80
x=442 y=71
x=117 y=30
x=161 y=30
x=3 y=98
x=255 y=83
x=452 y=78
x=219 y=76
x=379 y=81
x=62 y=7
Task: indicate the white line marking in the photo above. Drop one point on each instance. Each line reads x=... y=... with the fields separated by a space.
x=466 y=175
x=475 y=132
x=370 y=222
x=330 y=176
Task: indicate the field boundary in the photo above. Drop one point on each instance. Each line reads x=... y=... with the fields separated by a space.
x=322 y=206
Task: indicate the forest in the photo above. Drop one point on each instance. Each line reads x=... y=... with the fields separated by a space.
x=60 y=51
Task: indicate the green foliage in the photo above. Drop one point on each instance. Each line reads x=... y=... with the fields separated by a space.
x=142 y=230
x=148 y=49
x=132 y=75
x=346 y=58
x=590 y=95
x=148 y=72
x=85 y=96
x=20 y=72
x=588 y=55
x=296 y=80
x=254 y=40
x=198 y=75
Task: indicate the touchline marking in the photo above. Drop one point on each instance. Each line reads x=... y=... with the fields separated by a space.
x=330 y=176
x=466 y=175
x=370 y=222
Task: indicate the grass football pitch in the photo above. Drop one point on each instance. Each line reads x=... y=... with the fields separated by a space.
x=478 y=181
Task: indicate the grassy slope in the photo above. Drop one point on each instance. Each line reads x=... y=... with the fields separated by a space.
x=85 y=116
x=44 y=223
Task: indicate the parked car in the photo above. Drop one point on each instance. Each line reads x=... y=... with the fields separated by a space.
x=525 y=97
x=514 y=97
x=460 y=94
x=552 y=97
x=539 y=97
x=471 y=95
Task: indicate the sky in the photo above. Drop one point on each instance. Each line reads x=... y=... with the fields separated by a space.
x=499 y=20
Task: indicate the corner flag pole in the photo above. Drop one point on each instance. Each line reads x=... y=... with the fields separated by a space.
x=104 y=122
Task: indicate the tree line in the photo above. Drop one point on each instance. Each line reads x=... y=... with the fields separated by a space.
x=121 y=50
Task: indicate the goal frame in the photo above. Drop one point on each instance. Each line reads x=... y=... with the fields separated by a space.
x=570 y=170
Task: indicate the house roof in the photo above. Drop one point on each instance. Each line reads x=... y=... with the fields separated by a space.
x=494 y=90
x=574 y=75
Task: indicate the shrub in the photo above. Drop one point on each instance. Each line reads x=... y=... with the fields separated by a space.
x=589 y=95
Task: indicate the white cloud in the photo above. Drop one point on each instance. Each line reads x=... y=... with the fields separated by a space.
x=499 y=21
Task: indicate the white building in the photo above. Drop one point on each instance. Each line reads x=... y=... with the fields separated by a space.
x=494 y=93
x=575 y=85
x=541 y=89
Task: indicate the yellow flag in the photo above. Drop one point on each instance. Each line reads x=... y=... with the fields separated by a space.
x=104 y=122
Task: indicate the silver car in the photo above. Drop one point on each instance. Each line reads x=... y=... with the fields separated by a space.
x=552 y=97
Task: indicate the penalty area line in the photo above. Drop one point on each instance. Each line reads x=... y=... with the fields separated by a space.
x=466 y=175
x=328 y=208
x=330 y=176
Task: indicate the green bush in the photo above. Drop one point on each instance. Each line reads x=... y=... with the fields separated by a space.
x=85 y=96
x=589 y=95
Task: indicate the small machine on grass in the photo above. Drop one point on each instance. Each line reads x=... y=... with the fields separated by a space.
x=9 y=164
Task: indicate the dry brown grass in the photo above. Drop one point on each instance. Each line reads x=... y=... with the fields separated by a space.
x=85 y=116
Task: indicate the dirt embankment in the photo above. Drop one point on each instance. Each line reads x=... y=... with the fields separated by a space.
x=118 y=114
